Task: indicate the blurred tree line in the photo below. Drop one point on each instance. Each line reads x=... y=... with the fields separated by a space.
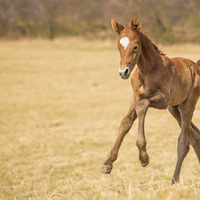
x=165 y=21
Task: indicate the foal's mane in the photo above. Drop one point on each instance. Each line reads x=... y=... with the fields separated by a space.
x=158 y=50
x=144 y=36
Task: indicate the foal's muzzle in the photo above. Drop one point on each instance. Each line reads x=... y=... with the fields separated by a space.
x=124 y=73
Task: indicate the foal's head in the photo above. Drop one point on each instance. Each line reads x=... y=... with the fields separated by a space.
x=128 y=45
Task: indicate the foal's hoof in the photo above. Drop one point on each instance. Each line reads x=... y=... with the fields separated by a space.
x=174 y=181
x=106 y=169
x=145 y=162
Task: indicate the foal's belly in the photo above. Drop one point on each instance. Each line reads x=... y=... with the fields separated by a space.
x=177 y=97
x=182 y=82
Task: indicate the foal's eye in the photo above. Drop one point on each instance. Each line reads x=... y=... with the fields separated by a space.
x=135 y=48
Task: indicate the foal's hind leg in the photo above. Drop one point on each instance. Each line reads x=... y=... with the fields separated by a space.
x=195 y=141
x=183 y=113
x=183 y=141
x=194 y=133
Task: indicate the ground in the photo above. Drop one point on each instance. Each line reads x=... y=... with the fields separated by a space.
x=60 y=108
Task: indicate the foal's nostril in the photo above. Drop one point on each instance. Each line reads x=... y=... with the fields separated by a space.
x=126 y=72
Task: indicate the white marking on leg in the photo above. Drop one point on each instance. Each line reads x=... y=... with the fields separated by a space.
x=125 y=42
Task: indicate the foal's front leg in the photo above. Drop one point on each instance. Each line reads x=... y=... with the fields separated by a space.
x=158 y=100
x=141 y=110
x=125 y=126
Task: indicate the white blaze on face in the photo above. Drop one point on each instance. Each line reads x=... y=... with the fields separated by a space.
x=125 y=42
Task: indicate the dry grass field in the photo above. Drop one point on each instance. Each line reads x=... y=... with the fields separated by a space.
x=60 y=108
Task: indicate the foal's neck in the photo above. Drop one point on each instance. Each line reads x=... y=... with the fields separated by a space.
x=149 y=55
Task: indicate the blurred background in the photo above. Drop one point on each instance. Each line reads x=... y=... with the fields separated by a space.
x=165 y=21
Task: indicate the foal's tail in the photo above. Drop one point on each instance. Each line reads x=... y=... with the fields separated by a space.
x=198 y=63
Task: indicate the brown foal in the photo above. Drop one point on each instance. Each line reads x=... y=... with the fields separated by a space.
x=158 y=82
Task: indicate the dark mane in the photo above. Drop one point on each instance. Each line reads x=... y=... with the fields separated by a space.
x=154 y=46
x=158 y=50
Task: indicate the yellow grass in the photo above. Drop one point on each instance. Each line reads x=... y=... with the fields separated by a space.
x=60 y=107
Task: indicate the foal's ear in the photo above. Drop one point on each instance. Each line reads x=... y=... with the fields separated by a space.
x=116 y=27
x=135 y=24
